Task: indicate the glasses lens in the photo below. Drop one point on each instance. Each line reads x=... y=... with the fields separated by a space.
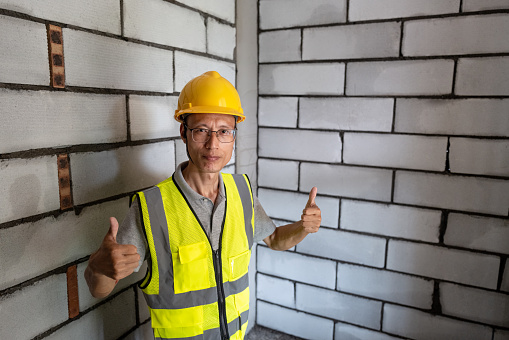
x=200 y=135
x=226 y=136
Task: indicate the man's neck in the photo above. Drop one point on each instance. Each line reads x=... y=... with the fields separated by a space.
x=206 y=184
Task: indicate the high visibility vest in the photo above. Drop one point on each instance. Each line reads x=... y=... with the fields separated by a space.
x=192 y=291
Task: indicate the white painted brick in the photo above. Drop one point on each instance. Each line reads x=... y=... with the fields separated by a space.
x=505 y=280
x=399 y=151
x=275 y=290
x=483 y=76
x=97 y=61
x=29 y=250
x=297 y=267
x=153 y=20
x=288 y=13
x=345 y=246
x=23 y=51
x=338 y=306
x=180 y=152
x=364 y=114
x=152 y=117
x=385 y=285
x=476 y=232
x=41 y=119
x=86 y=299
x=411 y=77
x=352 y=42
x=97 y=15
x=97 y=175
x=484 y=195
x=143 y=311
x=500 y=334
x=460 y=35
x=478 y=117
x=474 y=304
x=391 y=220
x=278 y=174
x=312 y=79
x=281 y=111
x=348 y=332
x=386 y=9
x=348 y=181
x=220 y=39
x=292 y=322
x=300 y=144
x=144 y=332
x=28 y=187
x=110 y=321
x=414 y=324
x=223 y=9
x=447 y=264
x=282 y=45
x=34 y=309
x=289 y=205
x=189 y=66
x=482 y=5
x=479 y=156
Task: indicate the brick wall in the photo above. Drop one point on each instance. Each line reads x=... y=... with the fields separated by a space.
x=398 y=111
x=86 y=101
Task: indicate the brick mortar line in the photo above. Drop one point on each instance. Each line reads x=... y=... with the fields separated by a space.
x=204 y=14
x=396 y=133
x=30 y=282
x=397 y=96
x=389 y=20
x=451 y=57
x=396 y=238
x=81 y=148
x=367 y=200
x=376 y=167
x=112 y=35
x=83 y=313
x=432 y=280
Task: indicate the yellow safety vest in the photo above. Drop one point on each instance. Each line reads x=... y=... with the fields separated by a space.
x=192 y=291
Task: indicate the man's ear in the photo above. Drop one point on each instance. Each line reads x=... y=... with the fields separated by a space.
x=183 y=132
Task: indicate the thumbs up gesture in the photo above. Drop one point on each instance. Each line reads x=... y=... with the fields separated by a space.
x=114 y=260
x=311 y=217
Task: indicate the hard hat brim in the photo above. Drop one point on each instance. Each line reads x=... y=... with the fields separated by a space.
x=207 y=109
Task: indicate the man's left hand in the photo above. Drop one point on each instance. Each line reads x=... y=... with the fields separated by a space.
x=311 y=217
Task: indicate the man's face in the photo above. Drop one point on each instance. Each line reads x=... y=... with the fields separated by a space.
x=211 y=156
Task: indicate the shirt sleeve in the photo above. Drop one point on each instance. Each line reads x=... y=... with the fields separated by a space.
x=263 y=223
x=130 y=232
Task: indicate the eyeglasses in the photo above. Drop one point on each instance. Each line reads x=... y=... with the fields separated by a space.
x=201 y=135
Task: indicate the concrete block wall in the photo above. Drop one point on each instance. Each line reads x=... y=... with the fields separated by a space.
x=398 y=111
x=86 y=119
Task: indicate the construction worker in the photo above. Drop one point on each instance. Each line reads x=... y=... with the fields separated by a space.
x=196 y=228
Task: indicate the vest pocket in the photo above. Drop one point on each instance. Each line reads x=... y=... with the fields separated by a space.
x=190 y=268
x=239 y=265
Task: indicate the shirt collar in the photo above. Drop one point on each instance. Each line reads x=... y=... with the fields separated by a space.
x=189 y=193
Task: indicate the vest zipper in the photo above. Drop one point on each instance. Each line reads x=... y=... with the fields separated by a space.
x=221 y=301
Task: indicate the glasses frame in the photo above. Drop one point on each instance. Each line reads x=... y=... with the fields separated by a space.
x=209 y=134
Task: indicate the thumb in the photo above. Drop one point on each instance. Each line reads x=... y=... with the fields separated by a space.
x=113 y=229
x=312 y=196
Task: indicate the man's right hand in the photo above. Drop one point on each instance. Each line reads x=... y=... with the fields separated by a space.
x=110 y=263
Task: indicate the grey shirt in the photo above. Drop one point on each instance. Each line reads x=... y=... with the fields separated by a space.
x=131 y=228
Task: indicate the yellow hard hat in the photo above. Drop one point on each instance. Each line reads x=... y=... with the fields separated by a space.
x=209 y=93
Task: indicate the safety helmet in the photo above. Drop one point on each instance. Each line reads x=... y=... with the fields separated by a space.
x=209 y=93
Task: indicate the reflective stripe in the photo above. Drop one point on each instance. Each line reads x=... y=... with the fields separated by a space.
x=194 y=298
x=245 y=197
x=214 y=334
x=159 y=228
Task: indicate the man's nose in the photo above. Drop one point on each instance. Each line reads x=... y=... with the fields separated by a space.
x=213 y=141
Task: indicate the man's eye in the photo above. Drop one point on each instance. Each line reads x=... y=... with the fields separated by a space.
x=225 y=132
x=202 y=130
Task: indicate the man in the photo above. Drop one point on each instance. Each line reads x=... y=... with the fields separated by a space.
x=196 y=228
